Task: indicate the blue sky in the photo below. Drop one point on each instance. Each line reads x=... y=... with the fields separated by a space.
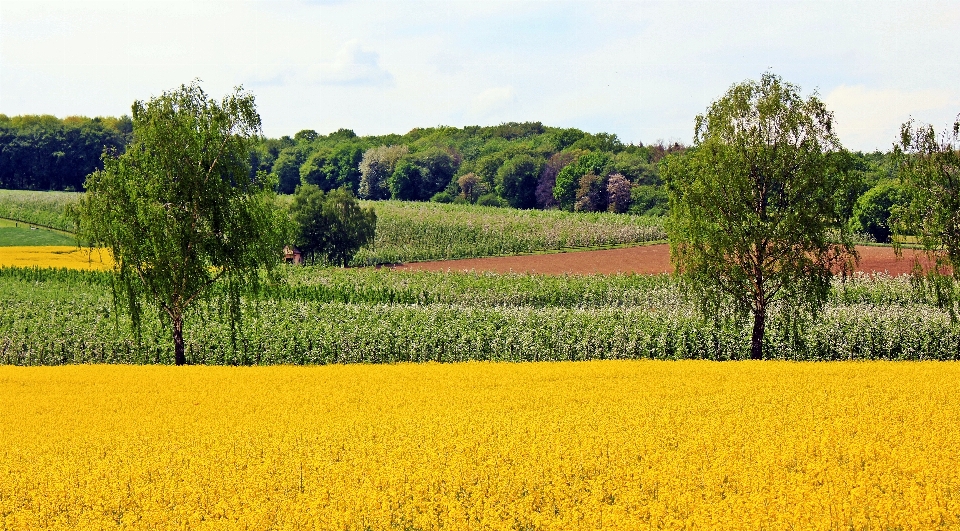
x=642 y=70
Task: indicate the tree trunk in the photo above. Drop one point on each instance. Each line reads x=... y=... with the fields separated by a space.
x=756 y=342
x=178 y=356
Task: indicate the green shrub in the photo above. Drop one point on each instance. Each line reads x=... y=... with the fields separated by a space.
x=872 y=211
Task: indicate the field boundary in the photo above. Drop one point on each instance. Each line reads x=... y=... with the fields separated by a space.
x=47 y=227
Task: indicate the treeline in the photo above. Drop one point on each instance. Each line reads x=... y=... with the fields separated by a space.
x=47 y=153
x=522 y=165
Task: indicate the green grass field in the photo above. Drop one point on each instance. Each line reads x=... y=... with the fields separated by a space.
x=13 y=233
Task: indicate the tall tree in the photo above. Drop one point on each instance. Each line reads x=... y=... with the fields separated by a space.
x=178 y=209
x=930 y=172
x=754 y=211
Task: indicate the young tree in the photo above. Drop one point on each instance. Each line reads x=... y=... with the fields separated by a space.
x=178 y=209
x=754 y=210
x=331 y=226
x=930 y=172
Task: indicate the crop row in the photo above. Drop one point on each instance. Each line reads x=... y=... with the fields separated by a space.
x=411 y=231
x=53 y=322
x=386 y=286
x=47 y=209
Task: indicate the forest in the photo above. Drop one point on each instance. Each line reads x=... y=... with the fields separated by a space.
x=520 y=165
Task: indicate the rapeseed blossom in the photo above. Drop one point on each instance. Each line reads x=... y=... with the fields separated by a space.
x=70 y=257
x=563 y=445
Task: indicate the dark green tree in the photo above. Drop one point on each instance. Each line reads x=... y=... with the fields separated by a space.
x=286 y=169
x=330 y=226
x=930 y=171
x=517 y=181
x=406 y=180
x=872 y=211
x=178 y=210
x=331 y=168
x=754 y=216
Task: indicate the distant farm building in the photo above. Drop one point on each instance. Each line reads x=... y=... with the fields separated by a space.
x=292 y=255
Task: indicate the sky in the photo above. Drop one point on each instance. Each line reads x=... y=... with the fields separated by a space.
x=639 y=69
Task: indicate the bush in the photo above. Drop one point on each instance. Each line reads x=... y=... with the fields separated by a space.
x=871 y=213
x=491 y=200
x=442 y=197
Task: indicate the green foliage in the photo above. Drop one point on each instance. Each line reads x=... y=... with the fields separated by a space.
x=649 y=200
x=517 y=180
x=442 y=197
x=405 y=182
x=490 y=200
x=46 y=153
x=930 y=171
x=332 y=168
x=286 y=169
x=305 y=135
x=753 y=206
x=636 y=167
x=331 y=226
x=178 y=210
x=568 y=179
x=873 y=210
x=564 y=138
x=417 y=177
x=376 y=167
x=607 y=142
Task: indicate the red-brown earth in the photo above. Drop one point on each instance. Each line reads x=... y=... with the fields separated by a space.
x=645 y=260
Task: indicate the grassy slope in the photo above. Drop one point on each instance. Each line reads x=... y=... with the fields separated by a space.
x=17 y=234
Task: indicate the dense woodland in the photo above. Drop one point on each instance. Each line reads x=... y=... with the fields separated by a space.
x=521 y=165
x=47 y=153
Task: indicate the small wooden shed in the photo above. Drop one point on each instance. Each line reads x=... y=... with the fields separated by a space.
x=292 y=255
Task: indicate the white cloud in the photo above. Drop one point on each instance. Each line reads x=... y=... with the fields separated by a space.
x=868 y=119
x=354 y=66
x=641 y=69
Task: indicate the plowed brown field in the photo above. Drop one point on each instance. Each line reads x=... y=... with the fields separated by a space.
x=646 y=260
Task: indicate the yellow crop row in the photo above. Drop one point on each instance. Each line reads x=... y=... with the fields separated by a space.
x=586 y=445
x=70 y=257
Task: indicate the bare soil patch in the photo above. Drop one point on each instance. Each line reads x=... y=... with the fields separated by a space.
x=644 y=260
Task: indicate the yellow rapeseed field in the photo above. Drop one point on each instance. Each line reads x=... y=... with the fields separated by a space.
x=69 y=257
x=586 y=445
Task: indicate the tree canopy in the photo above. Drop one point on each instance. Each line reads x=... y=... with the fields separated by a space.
x=178 y=209
x=331 y=226
x=756 y=206
x=930 y=172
